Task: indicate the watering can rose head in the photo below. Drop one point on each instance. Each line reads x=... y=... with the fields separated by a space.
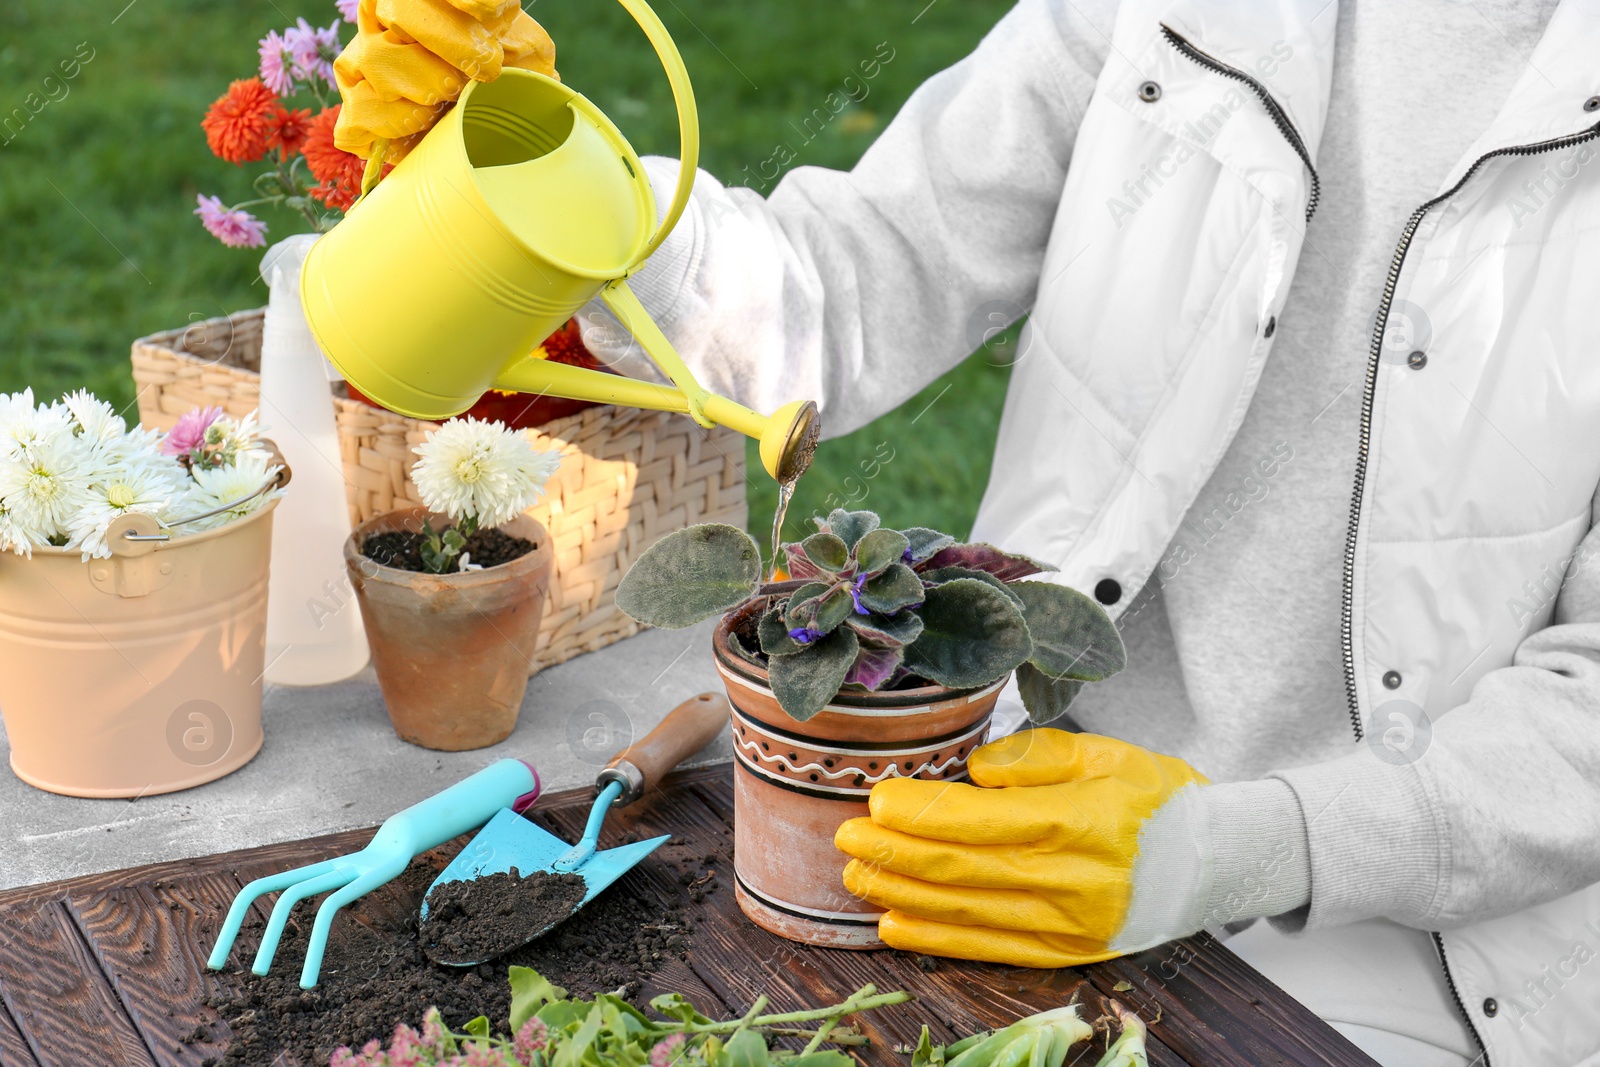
x=480 y=475
x=881 y=609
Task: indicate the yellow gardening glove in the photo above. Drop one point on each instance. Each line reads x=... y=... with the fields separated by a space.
x=411 y=59
x=1035 y=865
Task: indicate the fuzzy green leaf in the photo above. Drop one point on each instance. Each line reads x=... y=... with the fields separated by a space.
x=1046 y=698
x=940 y=575
x=530 y=991
x=806 y=682
x=797 y=611
x=690 y=575
x=923 y=542
x=774 y=633
x=886 y=631
x=896 y=588
x=878 y=549
x=826 y=551
x=851 y=526
x=1073 y=637
x=972 y=635
x=833 y=609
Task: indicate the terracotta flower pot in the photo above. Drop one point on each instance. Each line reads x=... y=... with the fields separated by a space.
x=451 y=650
x=141 y=673
x=795 y=783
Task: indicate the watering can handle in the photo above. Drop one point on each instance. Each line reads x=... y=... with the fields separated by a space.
x=688 y=118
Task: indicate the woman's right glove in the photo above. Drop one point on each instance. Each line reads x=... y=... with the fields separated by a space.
x=411 y=59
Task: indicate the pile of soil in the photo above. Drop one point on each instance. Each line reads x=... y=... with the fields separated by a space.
x=481 y=918
x=402 y=549
x=376 y=975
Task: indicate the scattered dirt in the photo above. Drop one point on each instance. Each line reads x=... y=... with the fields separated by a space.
x=403 y=549
x=375 y=973
x=482 y=918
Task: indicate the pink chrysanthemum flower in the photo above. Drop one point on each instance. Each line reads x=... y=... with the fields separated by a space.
x=530 y=1041
x=190 y=431
x=665 y=1052
x=347 y=9
x=231 y=226
x=277 y=63
x=312 y=51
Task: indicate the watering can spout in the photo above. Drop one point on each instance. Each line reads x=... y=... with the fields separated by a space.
x=520 y=206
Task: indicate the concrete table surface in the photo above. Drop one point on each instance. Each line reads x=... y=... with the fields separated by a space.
x=331 y=762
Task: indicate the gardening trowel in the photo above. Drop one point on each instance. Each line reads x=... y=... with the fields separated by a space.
x=511 y=841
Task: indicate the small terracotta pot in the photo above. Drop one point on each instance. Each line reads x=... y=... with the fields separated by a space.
x=451 y=650
x=796 y=782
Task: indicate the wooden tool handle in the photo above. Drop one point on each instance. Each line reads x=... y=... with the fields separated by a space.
x=687 y=729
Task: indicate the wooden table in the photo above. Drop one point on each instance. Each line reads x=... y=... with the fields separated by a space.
x=108 y=969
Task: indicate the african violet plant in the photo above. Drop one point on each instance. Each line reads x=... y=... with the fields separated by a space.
x=880 y=609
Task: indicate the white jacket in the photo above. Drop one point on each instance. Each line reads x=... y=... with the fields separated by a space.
x=1154 y=266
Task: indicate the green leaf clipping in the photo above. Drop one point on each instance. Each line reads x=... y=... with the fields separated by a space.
x=530 y=991
x=690 y=575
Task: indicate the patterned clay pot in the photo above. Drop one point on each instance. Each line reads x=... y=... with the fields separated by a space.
x=451 y=650
x=796 y=782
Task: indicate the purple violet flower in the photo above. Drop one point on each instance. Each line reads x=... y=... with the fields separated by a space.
x=347 y=9
x=805 y=634
x=855 y=594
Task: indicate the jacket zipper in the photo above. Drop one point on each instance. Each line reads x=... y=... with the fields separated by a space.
x=1455 y=995
x=1347 y=608
x=1279 y=117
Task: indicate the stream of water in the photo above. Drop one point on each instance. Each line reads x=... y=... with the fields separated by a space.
x=785 y=494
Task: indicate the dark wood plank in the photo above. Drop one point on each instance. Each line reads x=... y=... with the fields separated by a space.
x=14 y=1050
x=1215 y=1008
x=151 y=942
x=62 y=1004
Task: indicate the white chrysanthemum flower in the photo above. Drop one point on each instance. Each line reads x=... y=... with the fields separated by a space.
x=24 y=425
x=12 y=537
x=229 y=485
x=94 y=419
x=472 y=469
x=148 y=489
x=44 y=487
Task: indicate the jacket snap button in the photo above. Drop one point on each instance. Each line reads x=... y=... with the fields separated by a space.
x=1591 y=104
x=1272 y=327
x=1417 y=360
x=1150 y=92
x=1108 y=591
x=1491 y=1007
x=1391 y=679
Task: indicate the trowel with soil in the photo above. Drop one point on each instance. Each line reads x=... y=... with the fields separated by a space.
x=516 y=880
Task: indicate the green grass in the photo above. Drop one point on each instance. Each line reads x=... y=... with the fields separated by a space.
x=97 y=189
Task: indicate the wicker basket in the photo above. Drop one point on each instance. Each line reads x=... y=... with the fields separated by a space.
x=627 y=477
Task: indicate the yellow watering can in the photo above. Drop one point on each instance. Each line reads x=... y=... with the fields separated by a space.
x=517 y=209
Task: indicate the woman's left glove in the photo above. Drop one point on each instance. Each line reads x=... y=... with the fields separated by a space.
x=1070 y=848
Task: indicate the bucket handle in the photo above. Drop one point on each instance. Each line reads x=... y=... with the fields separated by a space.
x=688 y=118
x=133 y=536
